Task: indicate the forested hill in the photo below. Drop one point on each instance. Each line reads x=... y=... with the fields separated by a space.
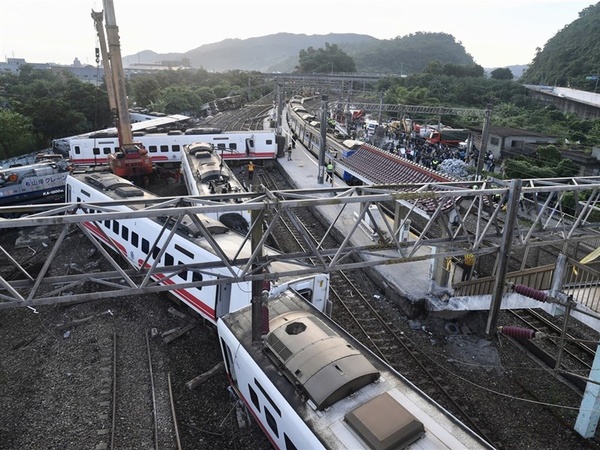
x=411 y=53
x=279 y=52
x=571 y=55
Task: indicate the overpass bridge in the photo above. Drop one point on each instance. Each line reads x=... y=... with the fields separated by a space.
x=582 y=103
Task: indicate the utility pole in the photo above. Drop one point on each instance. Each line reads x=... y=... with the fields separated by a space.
x=323 y=129
x=279 y=109
x=504 y=254
x=256 y=236
x=485 y=133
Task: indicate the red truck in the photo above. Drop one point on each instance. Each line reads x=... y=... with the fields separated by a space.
x=448 y=136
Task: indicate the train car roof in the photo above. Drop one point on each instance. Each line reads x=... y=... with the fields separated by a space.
x=317 y=358
x=230 y=242
x=387 y=402
x=137 y=126
x=118 y=188
x=159 y=121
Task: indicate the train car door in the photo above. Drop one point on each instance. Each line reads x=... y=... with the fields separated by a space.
x=250 y=146
x=223 y=300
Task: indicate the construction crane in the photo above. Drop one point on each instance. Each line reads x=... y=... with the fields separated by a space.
x=131 y=159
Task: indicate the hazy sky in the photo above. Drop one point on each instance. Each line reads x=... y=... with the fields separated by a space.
x=495 y=33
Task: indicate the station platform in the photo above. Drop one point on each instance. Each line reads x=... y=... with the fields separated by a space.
x=408 y=284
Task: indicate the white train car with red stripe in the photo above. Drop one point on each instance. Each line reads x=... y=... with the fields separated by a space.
x=310 y=385
x=144 y=242
x=93 y=149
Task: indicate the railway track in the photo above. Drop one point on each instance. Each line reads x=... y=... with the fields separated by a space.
x=355 y=310
x=576 y=357
x=248 y=118
x=126 y=399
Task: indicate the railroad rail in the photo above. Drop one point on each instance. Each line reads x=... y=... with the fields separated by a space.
x=129 y=400
x=576 y=357
x=369 y=326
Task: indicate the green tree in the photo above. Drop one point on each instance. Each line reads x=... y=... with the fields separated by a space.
x=14 y=128
x=144 y=90
x=324 y=60
x=53 y=117
x=180 y=99
x=502 y=74
x=548 y=155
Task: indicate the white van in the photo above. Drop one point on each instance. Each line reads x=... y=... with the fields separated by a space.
x=371 y=125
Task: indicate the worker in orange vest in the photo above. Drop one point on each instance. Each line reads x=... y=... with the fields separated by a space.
x=250 y=170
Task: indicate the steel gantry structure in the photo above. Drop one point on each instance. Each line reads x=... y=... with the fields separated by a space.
x=479 y=217
x=343 y=82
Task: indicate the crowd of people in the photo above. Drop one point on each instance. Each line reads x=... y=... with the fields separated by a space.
x=415 y=148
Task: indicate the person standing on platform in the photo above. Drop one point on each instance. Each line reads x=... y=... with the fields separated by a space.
x=289 y=152
x=250 y=170
x=330 y=172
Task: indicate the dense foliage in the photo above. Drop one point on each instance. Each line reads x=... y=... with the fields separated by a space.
x=411 y=54
x=571 y=56
x=184 y=92
x=330 y=59
x=502 y=74
x=38 y=106
x=548 y=162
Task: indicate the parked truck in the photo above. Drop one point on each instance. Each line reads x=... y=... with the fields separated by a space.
x=448 y=136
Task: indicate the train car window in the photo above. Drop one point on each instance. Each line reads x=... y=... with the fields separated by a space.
x=185 y=252
x=85 y=193
x=77 y=150
x=107 y=224
x=152 y=149
x=164 y=148
x=196 y=277
x=106 y=150
x=125 y=232
x=78 y=200
x=169 y=261
x=182 y=275
x=96 y=151
x=176 y=148
x=145 y=246
x=233 y=146
x=221 y=146
x=115 y=227
x=271 y=422
x=155 y=252
x=135 y=239
x=259 y=386
x=254 y=398
x=269 y=141
x=289 y=445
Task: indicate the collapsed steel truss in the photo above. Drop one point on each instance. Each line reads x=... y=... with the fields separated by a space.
x=480 y=217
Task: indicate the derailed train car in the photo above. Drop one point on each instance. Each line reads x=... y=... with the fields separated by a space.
x=310 y=385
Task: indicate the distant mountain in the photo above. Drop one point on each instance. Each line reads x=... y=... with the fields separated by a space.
x=279 y=52
x=275 y=52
